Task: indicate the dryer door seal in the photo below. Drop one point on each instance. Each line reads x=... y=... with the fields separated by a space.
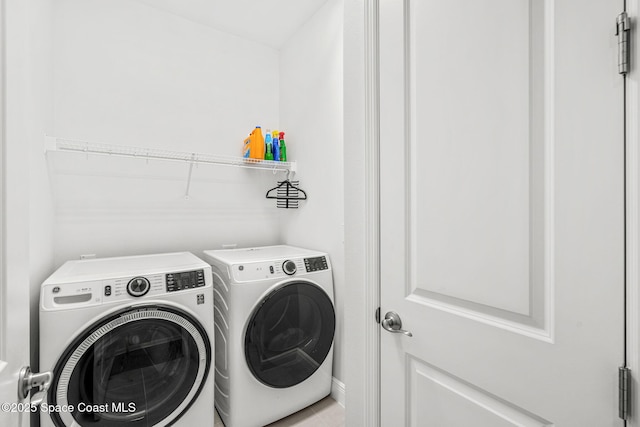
x=290 y=334
x=141 y=366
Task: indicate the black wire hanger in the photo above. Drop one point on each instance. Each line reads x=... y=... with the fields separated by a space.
x=289 y=188
x=287 y=194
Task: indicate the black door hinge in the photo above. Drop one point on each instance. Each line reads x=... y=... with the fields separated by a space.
x=624 y=391
x=623 y=27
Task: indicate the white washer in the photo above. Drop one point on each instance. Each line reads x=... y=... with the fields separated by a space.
x=275 y=324
x=129 y=341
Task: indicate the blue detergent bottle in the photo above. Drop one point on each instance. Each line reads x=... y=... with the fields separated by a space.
x=276 y=146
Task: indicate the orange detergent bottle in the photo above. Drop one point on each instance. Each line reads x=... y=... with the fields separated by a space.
x=256 y=145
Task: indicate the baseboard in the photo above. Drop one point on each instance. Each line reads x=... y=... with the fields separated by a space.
x=337 y=391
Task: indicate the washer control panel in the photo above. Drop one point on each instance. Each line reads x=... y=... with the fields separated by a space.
x=127 y=288
x=184 y=280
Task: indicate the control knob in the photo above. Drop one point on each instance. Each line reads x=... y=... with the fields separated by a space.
x=289 y=267
x=138 y=286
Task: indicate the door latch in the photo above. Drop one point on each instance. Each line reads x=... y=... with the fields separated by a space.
x=393 y=323
x=28 y=381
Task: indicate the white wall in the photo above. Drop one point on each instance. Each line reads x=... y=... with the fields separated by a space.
x=311 y=113
x=130 y=74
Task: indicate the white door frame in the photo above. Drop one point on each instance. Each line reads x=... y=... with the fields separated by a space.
x=362 y=222
x=2 y=172
x=362 y=238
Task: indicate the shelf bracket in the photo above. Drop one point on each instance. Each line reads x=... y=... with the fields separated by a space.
x=193 y=157
x=291 y=171
x=49 y=144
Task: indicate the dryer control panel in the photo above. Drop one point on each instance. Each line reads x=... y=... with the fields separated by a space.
x=316 y=264
x=282 y=268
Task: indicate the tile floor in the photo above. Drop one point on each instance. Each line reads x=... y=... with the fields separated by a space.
x=325 y=413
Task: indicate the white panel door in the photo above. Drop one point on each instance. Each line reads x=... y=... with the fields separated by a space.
x=502 y=238
x=14 y=276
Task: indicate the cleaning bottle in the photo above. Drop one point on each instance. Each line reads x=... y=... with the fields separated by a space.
x=268 y=155
x=276 y=146
x=257 y=144
x=283 y=148
x=246 y=150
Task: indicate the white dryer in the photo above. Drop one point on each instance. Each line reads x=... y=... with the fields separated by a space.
x=275 y=323
x=129 y=341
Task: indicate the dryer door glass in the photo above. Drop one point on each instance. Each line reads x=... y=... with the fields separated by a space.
x=290 y=334
x=141 y=367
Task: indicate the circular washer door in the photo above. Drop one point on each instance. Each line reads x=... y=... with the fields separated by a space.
x=138 y=367
x=290 y=334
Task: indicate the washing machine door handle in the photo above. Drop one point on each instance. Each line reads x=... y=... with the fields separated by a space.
x=27 y=381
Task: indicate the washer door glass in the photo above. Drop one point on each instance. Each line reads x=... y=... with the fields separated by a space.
x=290 y=334
x=140 y=367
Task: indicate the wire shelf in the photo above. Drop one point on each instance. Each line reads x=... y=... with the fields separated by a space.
x=69 y=145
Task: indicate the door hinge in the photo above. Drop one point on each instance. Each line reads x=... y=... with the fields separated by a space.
x=378 y=315
x=624 y=391
x=623 y=27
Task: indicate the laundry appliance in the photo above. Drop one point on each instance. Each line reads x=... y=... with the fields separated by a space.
x=129 y=341
x=274 y=330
